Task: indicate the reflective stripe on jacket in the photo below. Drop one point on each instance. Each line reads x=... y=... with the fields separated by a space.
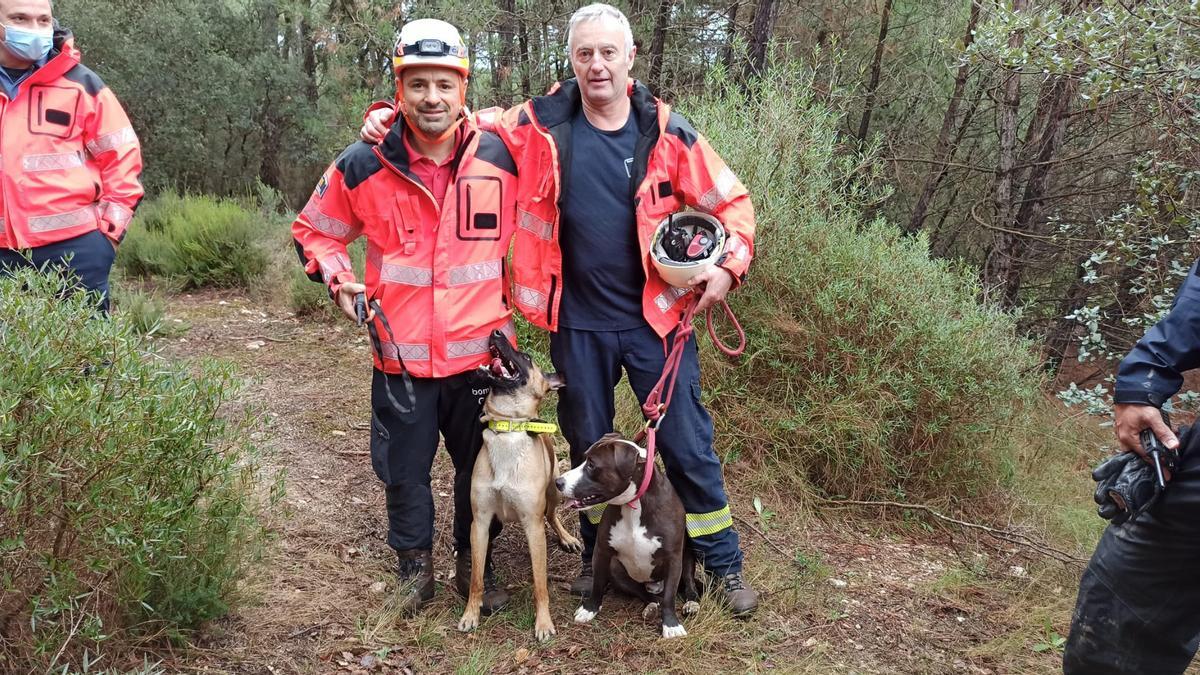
x=673 y=167
x=438 y=271
x=70 y=159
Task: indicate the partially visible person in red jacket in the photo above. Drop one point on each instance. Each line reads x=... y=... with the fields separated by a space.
x=69 y=158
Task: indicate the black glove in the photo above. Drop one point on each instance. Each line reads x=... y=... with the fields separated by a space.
x=1127 y=488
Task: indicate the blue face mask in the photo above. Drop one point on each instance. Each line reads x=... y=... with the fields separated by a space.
x=28 y=45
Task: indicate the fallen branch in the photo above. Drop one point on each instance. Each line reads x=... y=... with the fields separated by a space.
x=1015 y=538
x=307 y=631
x=765 y=538
x=288 y=338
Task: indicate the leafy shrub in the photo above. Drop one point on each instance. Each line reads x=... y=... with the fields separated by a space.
x=197 y=241
x=872 y=371
x=308 y=298
x=144 y=310
x=126 y=499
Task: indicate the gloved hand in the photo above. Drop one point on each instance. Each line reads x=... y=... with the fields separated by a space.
x=1127 y=487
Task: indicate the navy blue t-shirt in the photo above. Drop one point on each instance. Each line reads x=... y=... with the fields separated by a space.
x=602 y=267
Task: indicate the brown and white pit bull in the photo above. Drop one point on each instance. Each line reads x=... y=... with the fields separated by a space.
x=644 y=551
x=514 y=476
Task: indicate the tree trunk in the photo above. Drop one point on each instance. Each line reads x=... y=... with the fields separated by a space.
x=760 y=39
x=943 y=150
x=657 y=44
x=523 y=55
x=731 y=16
x=1002 y=269
x=506 y=30
x=308 y=52
x=864 y=123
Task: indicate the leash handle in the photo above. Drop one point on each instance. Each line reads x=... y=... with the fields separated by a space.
x=405 y=410
x=360 y=309
x=655 y=409
x=732 y=352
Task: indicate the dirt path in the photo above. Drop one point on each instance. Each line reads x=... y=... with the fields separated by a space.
x=836 y=597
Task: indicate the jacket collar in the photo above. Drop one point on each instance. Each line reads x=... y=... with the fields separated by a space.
x=564 y=101
x=394 y=152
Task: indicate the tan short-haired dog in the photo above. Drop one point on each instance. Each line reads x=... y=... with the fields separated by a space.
x=514 y=475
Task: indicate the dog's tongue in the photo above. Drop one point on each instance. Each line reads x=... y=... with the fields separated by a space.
x=572 y=504
x=498 y=366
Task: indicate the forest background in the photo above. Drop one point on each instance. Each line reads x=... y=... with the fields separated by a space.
x=967 y=211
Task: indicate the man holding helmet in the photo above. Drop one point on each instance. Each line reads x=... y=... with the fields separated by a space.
x=435 y=201
x=604 y=164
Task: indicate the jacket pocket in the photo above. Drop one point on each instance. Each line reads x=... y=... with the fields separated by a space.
x=53 y=110
x=479 y=199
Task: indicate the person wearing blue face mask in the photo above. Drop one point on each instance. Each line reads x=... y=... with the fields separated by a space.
x=69 y=158
x=28 y=33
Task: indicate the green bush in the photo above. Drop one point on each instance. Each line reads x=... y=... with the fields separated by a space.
x=872 y=370
x=127 y=500
x=310 y=299
x=144 y=310
x=197 y=241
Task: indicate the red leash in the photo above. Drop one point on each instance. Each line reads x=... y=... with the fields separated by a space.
x=654 y=409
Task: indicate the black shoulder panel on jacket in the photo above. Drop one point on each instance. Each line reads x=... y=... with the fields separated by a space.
x=491 y=150
x=522 y=118
x=677 y=126
x=358 y=163
x=83 y=76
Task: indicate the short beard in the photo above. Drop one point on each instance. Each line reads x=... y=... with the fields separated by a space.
x=432 y=129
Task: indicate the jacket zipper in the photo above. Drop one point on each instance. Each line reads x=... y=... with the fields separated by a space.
x=550 y=299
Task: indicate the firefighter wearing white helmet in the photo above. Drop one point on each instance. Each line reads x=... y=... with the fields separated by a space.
x=438 y=211
x=430 y=42
x=685 y=244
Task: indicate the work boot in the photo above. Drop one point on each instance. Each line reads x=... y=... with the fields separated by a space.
x=582 y=586
x=414 y=571
x=742 y=599
x=494 y=597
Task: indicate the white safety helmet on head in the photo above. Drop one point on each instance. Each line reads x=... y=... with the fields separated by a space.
x=430 y=42
x=685 y=244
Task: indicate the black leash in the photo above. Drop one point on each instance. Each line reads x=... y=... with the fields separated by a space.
x=360 y=312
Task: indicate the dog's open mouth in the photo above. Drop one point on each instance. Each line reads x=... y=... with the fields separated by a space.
x=583 y=502
x=500 y=367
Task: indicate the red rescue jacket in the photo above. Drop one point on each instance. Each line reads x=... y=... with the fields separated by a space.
x=70 y=160
x=673 y=167
x=437 y=270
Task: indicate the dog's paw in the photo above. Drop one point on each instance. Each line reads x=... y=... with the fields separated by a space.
x=571 y=545
x=468 y=623
x=690 y=607
x=583 y=615
x=543 y=631
x=650 y=610
x=674 y=631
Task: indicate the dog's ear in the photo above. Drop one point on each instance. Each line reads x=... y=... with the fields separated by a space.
x=554 y=381
x=625 y=458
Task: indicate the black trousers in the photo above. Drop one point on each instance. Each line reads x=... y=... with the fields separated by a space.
x=402 y=454
x=1138 y=609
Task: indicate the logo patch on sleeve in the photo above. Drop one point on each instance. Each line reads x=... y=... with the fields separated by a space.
x=323 y=185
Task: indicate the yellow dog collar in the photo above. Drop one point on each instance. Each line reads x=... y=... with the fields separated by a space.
x=533 y=427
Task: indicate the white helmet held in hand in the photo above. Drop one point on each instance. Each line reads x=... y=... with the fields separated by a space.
x=430 y=42
x=685 y=244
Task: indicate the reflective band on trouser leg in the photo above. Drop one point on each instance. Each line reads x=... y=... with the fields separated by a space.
x=701 y=524
x=595 y=513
